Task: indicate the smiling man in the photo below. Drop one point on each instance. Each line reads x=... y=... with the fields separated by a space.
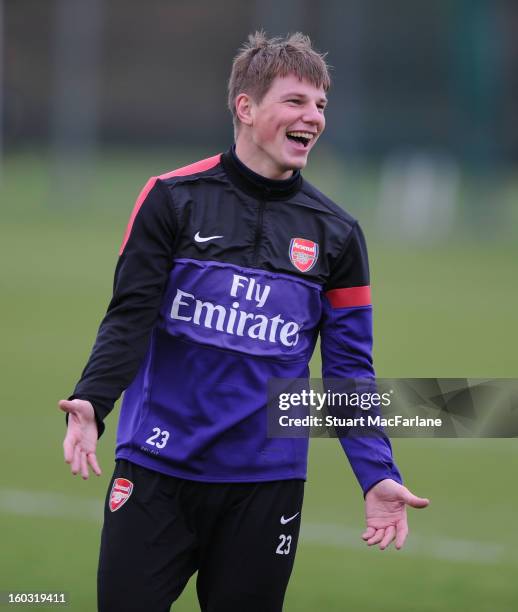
x=229 y=270
x=274 y=137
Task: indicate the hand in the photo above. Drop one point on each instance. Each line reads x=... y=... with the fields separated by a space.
x=81 y=439
x=385 y=512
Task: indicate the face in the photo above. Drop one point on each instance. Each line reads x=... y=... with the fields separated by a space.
x=278 y=133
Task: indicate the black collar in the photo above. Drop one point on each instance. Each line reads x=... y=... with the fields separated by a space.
x=256 y=185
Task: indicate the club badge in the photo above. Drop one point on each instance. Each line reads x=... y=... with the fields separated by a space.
x=119 y=495
x=303 y=253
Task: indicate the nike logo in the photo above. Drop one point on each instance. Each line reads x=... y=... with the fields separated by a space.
x=287 y=520
x=199 y=238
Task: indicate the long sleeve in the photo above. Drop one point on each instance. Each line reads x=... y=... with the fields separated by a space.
x=346 y=348
x=142 y=270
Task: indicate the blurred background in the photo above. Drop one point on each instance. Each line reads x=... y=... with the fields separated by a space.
x=421 y=146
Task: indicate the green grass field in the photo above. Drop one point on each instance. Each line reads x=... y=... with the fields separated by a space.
x=449 y=310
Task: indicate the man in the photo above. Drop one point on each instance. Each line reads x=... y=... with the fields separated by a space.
x=228 y=271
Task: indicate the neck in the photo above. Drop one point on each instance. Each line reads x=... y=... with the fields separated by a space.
x=254 y=159
x=256 y=185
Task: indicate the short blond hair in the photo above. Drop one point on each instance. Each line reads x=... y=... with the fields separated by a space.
x=262 y=59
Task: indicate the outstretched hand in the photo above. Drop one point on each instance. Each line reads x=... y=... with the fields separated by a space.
x=81 y=439
x=385 y=513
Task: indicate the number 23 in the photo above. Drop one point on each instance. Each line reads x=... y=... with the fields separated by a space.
x=284 y=545
x=156 y=433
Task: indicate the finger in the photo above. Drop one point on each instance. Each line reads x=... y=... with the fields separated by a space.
x=84 y=466
x=76 y=460
x=368 y=533
x=377 y=537
x=68 y=449
x=390 y=533
x=402 y=532
x=414 y=501
x=92 y=460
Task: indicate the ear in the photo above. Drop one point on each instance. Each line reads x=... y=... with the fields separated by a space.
x=244 y=108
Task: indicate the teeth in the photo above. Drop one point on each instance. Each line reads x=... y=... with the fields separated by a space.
x=307 y=135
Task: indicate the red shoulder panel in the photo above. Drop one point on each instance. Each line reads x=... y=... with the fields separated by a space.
x=201 y=166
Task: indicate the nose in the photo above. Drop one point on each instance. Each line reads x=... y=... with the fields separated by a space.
x=314 y=116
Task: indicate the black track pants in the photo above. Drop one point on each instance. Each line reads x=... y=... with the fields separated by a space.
x=159 y=530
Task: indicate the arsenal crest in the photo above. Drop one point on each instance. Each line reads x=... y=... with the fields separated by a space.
x=119 y=495
x=303 y=253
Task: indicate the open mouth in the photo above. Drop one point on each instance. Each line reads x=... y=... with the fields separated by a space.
x=303 y=138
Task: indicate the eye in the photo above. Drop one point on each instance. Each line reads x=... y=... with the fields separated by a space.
x=294 y=100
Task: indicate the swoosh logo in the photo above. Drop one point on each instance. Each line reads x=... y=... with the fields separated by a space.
x=199 y=238
x=287 y=520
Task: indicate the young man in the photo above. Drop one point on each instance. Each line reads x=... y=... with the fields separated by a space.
x=229 y=269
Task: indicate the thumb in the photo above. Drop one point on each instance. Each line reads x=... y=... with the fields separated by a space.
x=68 y=405
x=413 y=500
